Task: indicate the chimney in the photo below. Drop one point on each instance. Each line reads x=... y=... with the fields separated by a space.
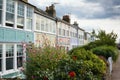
x=25 y=0
x=51 y=10
x=66 y=18
x=75 y=23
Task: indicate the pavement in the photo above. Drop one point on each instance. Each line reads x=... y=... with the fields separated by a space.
x=116 y=70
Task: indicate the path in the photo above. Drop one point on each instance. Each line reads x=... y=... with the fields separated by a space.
x=116 y=70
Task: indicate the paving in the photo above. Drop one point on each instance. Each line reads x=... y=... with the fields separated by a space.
x=116 y=70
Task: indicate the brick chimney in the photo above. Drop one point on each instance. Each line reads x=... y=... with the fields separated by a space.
x=51 y=10
x=66 y=18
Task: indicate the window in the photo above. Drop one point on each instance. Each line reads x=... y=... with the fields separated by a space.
x=67 y=32
x=9 y=56
x=46 y=25
x=42 y=24
x=29 y=18
x=10 y=13
x=54 y=27
x=19 y=56
x=20 y=15
x=0 y=57
x=59 y=31
x=38 y=21
x=1 y=3
x=63 y=32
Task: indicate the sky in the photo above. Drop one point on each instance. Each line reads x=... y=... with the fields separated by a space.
x=89 y=14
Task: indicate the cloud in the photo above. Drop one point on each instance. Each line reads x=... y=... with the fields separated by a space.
x=84 y=9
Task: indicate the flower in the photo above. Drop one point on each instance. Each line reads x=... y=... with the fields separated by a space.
x=74 y=57
x=72 y=74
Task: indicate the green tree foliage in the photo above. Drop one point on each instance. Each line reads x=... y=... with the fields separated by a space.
x=106 y=38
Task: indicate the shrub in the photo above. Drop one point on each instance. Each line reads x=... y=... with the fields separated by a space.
x=41 y=62
x=106 y=51
x=90 y=65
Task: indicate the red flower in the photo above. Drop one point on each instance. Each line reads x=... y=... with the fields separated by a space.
x=74 y=57
x=72 y=74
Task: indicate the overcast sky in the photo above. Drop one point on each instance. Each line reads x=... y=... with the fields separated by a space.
x=90 y=14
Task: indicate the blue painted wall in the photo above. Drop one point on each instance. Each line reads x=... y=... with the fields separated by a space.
x=13 y=35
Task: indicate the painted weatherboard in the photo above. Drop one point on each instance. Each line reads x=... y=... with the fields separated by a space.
x=12 y=35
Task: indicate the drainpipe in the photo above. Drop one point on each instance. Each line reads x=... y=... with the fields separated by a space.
x=56 y=44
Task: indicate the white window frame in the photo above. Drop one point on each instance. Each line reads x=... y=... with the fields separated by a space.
x=18 y=55
x=21 y=15
x=10 y=22
x=29 y=16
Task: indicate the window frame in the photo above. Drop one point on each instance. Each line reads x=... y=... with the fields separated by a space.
x=20 y=15
x=19 y=55
x=9 y=56
x=10 y=9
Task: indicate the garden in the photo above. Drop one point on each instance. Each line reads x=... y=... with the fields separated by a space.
x=88 y=62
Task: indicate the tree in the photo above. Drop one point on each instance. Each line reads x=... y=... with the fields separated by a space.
x=106 y=38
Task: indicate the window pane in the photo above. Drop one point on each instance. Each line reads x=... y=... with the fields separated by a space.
x=20 y=17
x=38 y=26
x=10 y=6
x=0 y=57
x=10 y=12
x=20 y=20
x=21 y=9
x=9 y=63
x=29 y=12
x=19 y=56
x=9 y=50
x=9 y=17
x=19 y=62
x=9 y=56
x=29 y=24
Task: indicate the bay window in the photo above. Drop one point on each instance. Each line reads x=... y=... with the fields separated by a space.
x=19 y=56
x=9 y=56
x=29 y=18
x=0 y=57
x=20 y=15
x=10 y=13
x=1 y=3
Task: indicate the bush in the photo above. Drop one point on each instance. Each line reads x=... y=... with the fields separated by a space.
x=106 y=51
x=90 y=66
x=49 y=63
x=41 y=62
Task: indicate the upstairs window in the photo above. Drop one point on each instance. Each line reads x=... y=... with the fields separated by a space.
x=38 y=22
x=10 y=13
x=20 y=16
x=1 y=3
x=59 y=31
x=63 y=32
x=29 y=18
